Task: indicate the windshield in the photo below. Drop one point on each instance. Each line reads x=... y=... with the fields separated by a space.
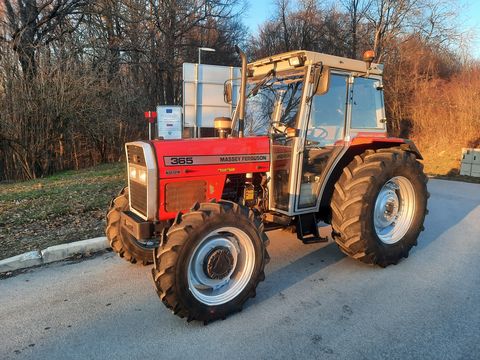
x=272 y=99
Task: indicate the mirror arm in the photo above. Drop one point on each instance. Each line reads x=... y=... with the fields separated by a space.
x=318 y=68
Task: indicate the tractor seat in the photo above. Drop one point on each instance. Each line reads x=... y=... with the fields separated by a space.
x=318 y=156
x=315 y=162
x=325 y=135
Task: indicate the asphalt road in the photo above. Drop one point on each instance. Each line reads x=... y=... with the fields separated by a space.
x=315 y=303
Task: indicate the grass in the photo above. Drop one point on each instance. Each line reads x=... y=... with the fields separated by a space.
x=445 y=163
x=65 y=207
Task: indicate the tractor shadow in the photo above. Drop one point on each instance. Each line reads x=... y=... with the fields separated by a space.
x=296 y=271
x=449 y=205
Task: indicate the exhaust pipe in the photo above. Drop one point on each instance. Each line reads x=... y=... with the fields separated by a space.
x=243 y=90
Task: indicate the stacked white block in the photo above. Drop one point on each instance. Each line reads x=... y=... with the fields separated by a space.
x=470 y=162
x=476 y=163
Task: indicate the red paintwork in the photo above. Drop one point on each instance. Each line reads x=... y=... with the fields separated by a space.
x=215 y=185
x=211 y=146
x=365 y=138
x=371 y=134
x=214 y=174
x=370 y=138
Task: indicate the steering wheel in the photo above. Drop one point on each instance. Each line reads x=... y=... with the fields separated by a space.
x=314 y=139
x=322 y=135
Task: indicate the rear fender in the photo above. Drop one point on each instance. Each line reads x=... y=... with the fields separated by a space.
x=356 y=147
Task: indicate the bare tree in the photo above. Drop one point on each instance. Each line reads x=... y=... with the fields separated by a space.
x=32 y=23
x=357 y=11
x=76 y=75
x=308 y=27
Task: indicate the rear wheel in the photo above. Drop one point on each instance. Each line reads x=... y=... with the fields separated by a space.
x=379 y=206
x=124 y=244
x=211 y=261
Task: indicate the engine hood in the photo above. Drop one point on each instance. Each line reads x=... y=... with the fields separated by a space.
x=212 y=156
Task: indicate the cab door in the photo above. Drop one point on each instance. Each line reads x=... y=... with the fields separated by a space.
x=288 y=111
x=324 y=134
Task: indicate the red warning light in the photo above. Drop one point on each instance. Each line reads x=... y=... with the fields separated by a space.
x=150 y=116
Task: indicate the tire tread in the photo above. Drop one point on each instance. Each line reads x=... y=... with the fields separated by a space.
x=177 y=236
x=348 y=201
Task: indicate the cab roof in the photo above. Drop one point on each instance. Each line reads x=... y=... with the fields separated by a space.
x=282 y=62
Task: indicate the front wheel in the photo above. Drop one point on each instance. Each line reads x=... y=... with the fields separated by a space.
x=379 y=206
x=211 y=261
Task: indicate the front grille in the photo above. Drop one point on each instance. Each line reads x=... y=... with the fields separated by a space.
x=138 y=197
x=135 y=155
x=182 y=195
x=138 y=192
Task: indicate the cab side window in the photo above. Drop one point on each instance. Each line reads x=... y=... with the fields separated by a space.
x=367 y=104
x=327 y=114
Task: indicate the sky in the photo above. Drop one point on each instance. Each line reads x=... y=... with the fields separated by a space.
x=259 y=11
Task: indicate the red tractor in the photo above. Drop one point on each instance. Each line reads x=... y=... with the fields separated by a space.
x=198 y=209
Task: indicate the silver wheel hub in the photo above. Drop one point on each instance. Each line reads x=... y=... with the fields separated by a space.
x=394 y=209
x=221 y=266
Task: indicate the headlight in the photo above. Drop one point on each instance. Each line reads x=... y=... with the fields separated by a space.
x=138 y=175
x=133 y=173
x=142 y=176
x=295 y=61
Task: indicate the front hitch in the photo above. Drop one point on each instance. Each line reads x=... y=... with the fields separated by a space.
x=141 y=230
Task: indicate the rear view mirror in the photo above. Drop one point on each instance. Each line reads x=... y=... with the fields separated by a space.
x=322 y=80
x=227 y=92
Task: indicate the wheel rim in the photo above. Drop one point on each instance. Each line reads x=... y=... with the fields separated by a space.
x=216 y=285
x=394 y=209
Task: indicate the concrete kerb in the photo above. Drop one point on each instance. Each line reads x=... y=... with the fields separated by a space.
x=53 y=253
x=63 y=251
x=25 y=260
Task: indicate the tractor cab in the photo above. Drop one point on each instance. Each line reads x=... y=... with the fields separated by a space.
x=311 y=105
